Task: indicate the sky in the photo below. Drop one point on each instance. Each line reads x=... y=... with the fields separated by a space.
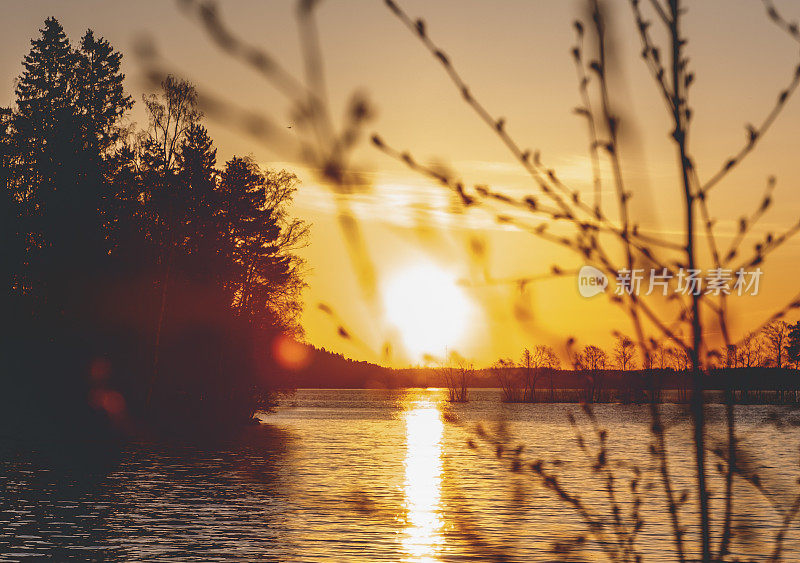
x=515 y=55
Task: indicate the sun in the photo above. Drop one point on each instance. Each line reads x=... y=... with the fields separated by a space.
x=425 y=304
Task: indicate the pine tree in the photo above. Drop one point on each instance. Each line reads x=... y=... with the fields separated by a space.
x=258 y=268
x=45 y=91
x=10 y=217
x=203 y=240
x=100 y=99
x=197 y=174
x=45 y=138
x=68 y=105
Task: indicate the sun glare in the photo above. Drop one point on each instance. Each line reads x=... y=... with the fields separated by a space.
x=427 y=307
x=423 y=468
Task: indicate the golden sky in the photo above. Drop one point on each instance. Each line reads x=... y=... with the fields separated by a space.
x=515 y=56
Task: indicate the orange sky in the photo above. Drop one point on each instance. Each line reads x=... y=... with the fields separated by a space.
x=515 y=56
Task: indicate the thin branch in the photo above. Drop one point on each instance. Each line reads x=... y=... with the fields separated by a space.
x=651 y=54
x=746 y=224
x=792 y=28
x=754 y=135
x=208 y=14
x=594 y=142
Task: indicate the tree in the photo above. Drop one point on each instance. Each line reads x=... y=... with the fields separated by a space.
x=172 y=114
x=169 y=176
x=44 y=131
x=457 y=375
x=45 y=92
x=750 y=353
x=775 y=334
x=678 y=358
x=660 y=356
x=266 y=276
x=228 y=230
x=100 y=98
x=624 y=352
x=198 y=221
x=530 y=375
x=592 y=358
x=793 y=345
x=67 y=108
x=13 y=242
x=536 y=363
x=508 y=378
x=126 y=247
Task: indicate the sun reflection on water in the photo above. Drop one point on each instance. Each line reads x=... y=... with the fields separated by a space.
x=423 y=477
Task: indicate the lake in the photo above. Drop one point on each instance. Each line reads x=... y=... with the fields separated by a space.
x=394 y=475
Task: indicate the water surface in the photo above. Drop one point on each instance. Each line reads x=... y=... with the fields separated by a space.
x=355 y=475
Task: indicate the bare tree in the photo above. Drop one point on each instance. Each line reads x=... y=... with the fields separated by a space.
x=678 y=358
x=750 y=353
x=507 y=376
x=546 y=361
x=534 y=364
x=660 y=356
x=592 y=358
x=529 y=376
x=592 y=361
x=171 y=113
x=793 y=345
x=624 y=352
x=776 y=334
x=457 y=374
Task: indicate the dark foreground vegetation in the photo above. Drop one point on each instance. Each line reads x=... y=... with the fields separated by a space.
x=146 y=282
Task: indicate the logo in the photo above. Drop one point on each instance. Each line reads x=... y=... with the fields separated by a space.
x=591 y=281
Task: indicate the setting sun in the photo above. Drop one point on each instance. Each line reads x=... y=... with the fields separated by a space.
x=427 y=307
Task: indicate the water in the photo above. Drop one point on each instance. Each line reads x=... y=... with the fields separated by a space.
x=344 y=475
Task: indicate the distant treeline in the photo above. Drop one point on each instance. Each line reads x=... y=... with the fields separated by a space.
x=526 y=384
x=326 y=370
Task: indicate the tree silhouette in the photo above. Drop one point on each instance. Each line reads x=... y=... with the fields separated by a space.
x=224 y=230
x=624 y=351
x=66 y=118
x=536 y=363
x=253 y=206
x=507 y=376
x=100 y=96
x=592 y=358
x=750 y=353
x=135 y=251
x=172 y=115
x=775 y=335
x=793 y=345
x=44 y=128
